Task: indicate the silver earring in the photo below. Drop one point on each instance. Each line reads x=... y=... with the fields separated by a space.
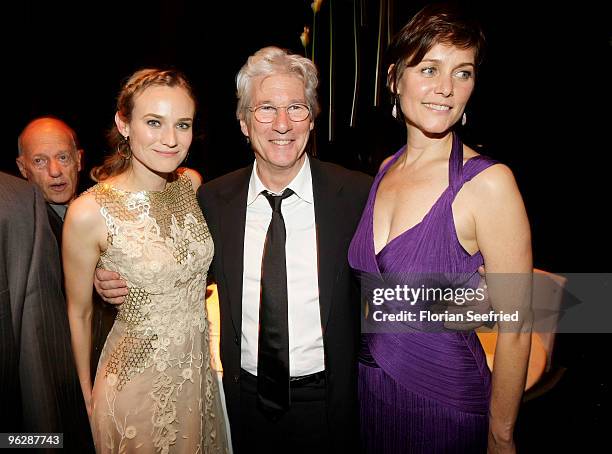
x=394 y=108
x=248 y=140
x=463 y=119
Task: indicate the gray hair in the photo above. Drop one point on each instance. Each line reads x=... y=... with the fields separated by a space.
x=271 y=61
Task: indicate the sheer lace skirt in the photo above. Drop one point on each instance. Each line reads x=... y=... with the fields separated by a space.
x=149 y=397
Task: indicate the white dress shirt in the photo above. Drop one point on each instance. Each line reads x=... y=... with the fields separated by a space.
x=305 y=332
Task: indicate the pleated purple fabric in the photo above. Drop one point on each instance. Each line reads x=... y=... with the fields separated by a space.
x=423 y=392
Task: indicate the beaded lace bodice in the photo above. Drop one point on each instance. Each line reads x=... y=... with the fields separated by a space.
x=160 y=244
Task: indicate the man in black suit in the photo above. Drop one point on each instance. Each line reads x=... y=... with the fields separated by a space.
x=39 y=388
x=277 y=106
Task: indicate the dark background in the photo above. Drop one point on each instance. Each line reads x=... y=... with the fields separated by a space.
x=541 y=106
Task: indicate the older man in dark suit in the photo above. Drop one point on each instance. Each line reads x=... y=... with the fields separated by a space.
x=289 y=326
x=39 y=389
x=49 y=156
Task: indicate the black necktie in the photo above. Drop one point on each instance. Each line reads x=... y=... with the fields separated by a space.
x=273 y=395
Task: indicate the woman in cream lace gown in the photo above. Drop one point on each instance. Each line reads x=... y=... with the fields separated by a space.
x=155 y=390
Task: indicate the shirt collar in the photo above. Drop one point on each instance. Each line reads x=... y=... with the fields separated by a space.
x=301 y=184
x=59 y=209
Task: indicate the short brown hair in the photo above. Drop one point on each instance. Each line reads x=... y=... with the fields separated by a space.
x=441 y=23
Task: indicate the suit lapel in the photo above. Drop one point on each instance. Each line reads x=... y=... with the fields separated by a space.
x=232 y=230
x=329 y=253
x=56 y=224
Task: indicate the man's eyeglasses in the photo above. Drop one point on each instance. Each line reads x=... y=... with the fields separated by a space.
x=266 y=113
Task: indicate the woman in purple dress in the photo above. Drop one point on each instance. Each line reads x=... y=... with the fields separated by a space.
x=437 y=207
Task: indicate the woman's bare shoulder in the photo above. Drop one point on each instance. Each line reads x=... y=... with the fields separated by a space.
x=494 y=185
x=84 y=210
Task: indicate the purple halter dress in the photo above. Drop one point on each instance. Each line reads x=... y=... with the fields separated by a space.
x=428 y=390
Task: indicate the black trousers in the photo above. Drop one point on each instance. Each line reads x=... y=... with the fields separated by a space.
x=303 y=429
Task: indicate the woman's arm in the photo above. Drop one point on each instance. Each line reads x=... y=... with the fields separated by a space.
x=504 y=239
x=84 y=234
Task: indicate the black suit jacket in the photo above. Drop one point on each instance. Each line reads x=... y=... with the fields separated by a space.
x=57 y=224
x=339 y=198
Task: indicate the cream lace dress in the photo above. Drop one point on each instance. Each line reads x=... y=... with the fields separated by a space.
x=155 y=390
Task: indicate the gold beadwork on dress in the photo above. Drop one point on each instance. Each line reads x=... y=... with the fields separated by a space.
x=131 y=356
x=130 y=311
x=134 y=351
x=159 y=205
x=158 y=391
x=182 y=247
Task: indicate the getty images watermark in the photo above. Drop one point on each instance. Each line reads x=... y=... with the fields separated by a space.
x=433 y=302
x=438 y=302
x=457 y=296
